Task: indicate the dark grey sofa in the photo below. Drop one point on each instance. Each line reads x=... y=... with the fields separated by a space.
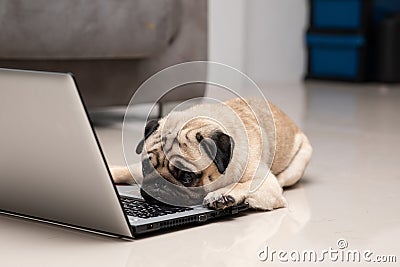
x=110 y=46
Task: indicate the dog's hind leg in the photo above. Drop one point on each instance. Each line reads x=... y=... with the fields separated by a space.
x=297 y=166
x=125 y=175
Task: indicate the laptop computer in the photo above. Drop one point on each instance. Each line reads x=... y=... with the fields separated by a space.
x=52 y=168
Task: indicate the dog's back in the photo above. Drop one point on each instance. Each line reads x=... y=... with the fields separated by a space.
x=287 y=136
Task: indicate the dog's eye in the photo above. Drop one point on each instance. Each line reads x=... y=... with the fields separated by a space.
x=199 y=137
x=186 y=177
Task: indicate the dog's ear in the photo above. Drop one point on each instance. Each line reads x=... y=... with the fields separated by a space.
x=223 y=143
x=151 y=127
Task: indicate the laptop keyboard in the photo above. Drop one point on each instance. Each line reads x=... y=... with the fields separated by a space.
x=139 y=208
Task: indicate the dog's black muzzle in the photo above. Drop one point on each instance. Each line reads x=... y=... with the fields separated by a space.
x=156 y=189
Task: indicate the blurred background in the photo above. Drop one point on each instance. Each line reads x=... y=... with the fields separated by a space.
x=112 y=47
x=291 y=48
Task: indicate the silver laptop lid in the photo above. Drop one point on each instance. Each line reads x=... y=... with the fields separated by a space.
x=51 y=165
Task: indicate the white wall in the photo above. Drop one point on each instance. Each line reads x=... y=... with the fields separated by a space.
x=263 y=38
x=226 y=32
x=274 y=43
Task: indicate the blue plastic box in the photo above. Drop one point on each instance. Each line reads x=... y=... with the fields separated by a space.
x=342 y=37
x=337 y=14
x=350 y=15
x=336 y=56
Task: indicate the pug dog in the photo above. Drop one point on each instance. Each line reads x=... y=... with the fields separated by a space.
x=220 y=154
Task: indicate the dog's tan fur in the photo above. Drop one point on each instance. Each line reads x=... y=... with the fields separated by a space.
x=269 y=152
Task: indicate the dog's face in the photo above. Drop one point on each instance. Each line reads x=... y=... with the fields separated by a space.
x=190 y=155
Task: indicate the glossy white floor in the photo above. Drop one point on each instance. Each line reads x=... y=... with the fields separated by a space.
x=350 y=191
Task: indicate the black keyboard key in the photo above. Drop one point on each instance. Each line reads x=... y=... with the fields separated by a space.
x=139 y=208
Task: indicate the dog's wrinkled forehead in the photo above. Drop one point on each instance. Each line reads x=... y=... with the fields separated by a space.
x=175 y=127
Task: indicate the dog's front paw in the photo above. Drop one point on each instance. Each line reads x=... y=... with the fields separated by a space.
x=218 y=200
